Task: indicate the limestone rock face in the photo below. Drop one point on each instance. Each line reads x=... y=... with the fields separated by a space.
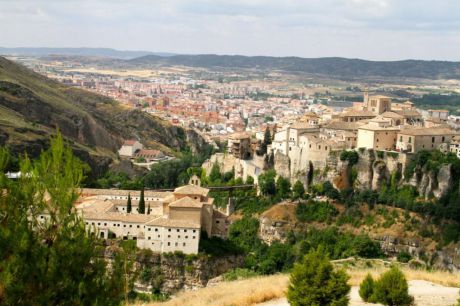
x=380 y=174
x=177 y=271
x=282 y=165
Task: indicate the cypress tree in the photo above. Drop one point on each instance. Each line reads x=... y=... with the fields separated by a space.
x=142 y=203
x=129 y=206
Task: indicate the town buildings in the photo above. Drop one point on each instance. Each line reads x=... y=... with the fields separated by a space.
x=172 y=221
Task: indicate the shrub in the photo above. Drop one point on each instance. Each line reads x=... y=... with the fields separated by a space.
x=315 y=211
x=392 y=289
x=403 y=257
x=366 y=288
x=239 y=273
x=314 y=281
x=351 y=156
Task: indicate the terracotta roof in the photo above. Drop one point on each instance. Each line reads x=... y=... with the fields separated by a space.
x=173 y=223
x=341 y=125
x=95 y=206
x=358 y=114
x=149 y=153
x=119 y=192
x=186 y=202
x=408 y=113
x=239 y=136
x=391 y=115
x=428 y=132
x=303 y=126
x=116 y=216
x=129 y=142
x=191 y=189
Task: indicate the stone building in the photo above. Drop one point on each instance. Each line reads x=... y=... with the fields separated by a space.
x=129 y=148
x=174 y=222
x=413 y=140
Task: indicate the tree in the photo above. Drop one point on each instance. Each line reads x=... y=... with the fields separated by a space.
x=215 y=175
x=298 y=191
x=366 y=288
x=267 y=141
x=314 y=282
x=51 y=261
x=391 y=289
x=129 y=206
x=142 y=202
x=267 y=182
x=283 y=187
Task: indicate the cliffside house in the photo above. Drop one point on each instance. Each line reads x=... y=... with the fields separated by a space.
x=413 y=140
x=129 y=148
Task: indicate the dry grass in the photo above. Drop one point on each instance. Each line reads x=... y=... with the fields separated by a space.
x=437 y=277
x=238 y=293
x=261 y=289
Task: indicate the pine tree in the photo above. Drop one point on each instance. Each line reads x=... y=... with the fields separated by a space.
x=54 y=262
x=315 y=282
x=129 y=206
x=366 y=288
x=142 y=202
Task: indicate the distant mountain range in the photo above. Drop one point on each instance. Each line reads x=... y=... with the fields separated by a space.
x=327 y=66
x=334 y=67
x=98 y=52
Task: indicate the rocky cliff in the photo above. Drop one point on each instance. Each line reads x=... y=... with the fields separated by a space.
x=171 y=272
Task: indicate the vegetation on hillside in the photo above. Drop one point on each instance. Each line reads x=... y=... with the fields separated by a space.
x=52 y=259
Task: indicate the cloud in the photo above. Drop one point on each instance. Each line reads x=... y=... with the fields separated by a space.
x=353 y=28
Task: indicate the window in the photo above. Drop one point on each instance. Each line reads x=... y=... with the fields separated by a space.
x=186 y=237
x=410 y=139
x=194 y=231
x=432 y=139
x=138 y=226
x=169 y=243
x=183 y=244
x=130 y=225
x=124 y=225
x=98 y=223
x=217 y=221
x=156 y=230
x=185 y=230
x=178 y=237
x=193 y=237
x=149 y=229
x=443 y=138
x=149 y=238
x=169 y=236
x=105 y=224
x=178 y=230
x=158 y=236
x=176 y=244
x=169 y=229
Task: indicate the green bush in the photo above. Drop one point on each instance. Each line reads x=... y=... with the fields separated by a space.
x=403 y=257
x=392 y=289
x=314 y=282
x=239 y=273
x=366 y=288
x=315 y=211
x=351 y=156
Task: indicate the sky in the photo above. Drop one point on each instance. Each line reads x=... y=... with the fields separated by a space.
x=368 y=29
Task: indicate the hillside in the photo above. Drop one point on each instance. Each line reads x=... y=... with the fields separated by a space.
x=333 y=66
x=32 y=107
